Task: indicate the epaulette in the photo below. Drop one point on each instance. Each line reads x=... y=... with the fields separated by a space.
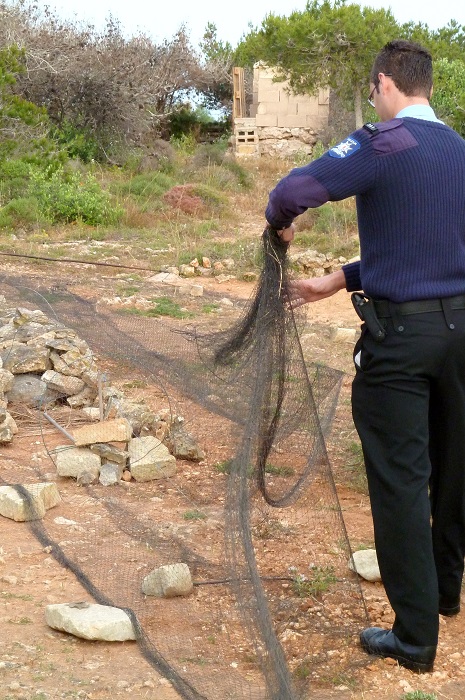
x=371 y=128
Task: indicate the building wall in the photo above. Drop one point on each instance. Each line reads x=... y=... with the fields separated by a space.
x=274 y=106
x=280 y=124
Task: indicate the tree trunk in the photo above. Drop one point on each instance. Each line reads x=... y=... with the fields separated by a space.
x=358 y=108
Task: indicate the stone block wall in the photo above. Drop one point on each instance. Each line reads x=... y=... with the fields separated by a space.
x=280 y=122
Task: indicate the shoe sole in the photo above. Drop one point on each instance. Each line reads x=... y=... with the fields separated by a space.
x=449 y=612
x=415 y=666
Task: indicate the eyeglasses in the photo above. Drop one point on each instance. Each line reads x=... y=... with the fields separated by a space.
x=370 y=98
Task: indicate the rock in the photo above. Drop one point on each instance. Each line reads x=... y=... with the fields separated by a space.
x=62 y=384
x=23 y=315
x=19 y=358
x=187 y=270
x=167 y=278
x=29 y=389
x=224 y=278
x=8 y=427
x=116 y=430
x=196 y=290
x=365 y=563
x=90 y=621
x=149 y=459
x=228 y=263
x=206 y=262
x=85 y=397
x=344 y=335
x=181 y=444
x=110 y=474
x=168 y=581
x=91 y=412
x=110 y=453
x=72 y=363
x=31 y=505
x=139 y=417
x=87 y=477
x=6 y=381
x=73 y=461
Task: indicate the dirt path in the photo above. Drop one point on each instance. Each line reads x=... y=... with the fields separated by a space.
x=37 y=662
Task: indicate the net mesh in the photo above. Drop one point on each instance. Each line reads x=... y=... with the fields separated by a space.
x=274 y=608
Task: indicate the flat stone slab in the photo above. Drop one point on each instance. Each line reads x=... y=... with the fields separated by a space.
x=116 y=430
x=90 y=621
x=31 y=505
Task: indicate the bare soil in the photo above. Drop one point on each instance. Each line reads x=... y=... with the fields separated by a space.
x=38 y=662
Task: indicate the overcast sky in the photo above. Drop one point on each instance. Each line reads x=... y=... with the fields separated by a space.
x=161 y=20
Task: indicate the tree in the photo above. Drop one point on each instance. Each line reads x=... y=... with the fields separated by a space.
x=101 y=83
x=22 y=123
x=449 y=93
x=328 y=44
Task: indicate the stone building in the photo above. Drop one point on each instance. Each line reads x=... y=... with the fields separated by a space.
x=279 y=122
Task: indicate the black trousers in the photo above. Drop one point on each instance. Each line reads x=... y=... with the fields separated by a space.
x=408 y=403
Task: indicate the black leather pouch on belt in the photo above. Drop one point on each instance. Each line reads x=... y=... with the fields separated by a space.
x=366 y=311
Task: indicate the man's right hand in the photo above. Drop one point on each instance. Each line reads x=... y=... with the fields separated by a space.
x=301 y=292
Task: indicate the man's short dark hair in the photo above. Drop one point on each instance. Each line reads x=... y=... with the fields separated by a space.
x=410 y=65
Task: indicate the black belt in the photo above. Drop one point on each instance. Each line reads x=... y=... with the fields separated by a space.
x=421 y=306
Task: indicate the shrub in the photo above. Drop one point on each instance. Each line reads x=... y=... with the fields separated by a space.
x=78 y=143
x=20 y=212
x=153 y=184
x=66 y=197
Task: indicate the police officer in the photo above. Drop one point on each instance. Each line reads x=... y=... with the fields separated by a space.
x=407 y=173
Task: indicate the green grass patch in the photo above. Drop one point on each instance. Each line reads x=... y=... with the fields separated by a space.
x=194 y=515
x=319 y=581
x=418 y=695
x=162 y=306
x=210 y=308
x=145 y=186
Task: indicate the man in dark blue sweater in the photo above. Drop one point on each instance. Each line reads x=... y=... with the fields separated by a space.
x=408 y=396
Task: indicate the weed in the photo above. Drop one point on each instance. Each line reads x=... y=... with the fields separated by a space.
x=163 y=306
x=20 y=621
x=355 y=468
x=223 y=467
x=317 y=582
x=9 y=596
x=210 y=308
x=136 y=384
x=194 y=515
x=279 y=471
x=419 y=695
x=128 y=291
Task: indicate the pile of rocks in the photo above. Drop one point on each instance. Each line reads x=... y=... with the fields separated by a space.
x=42 y=363
x=316 y=264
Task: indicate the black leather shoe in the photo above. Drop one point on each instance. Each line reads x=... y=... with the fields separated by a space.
x=449 y=607
x=384 y=643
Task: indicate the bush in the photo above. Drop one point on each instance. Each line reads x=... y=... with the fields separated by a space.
x=20 y=212
x=78 y=143
x=153 y=184
x=70 y=197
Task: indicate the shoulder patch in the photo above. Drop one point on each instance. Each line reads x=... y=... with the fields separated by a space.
x=371 y=128
x=344 y=149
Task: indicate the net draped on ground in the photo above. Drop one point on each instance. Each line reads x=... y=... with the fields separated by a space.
x=275 y=609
